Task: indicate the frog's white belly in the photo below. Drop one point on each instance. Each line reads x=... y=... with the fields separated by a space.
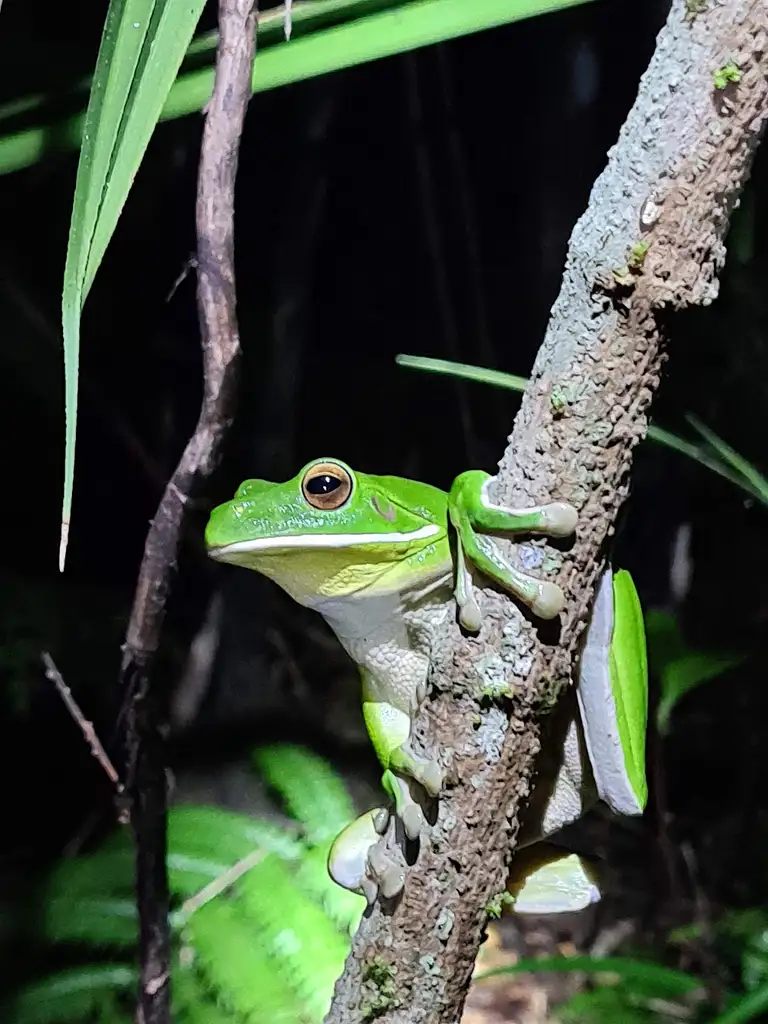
x=390 y=637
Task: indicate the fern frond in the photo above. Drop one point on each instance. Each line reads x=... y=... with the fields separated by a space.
x=306 y=947
x=226 y=836
x=232 y=965
x=312 y=791
x=94 y=920
x=188 y=875
x=107 y=872
x=80 y=993
x=343 y=907
x=192 y=1004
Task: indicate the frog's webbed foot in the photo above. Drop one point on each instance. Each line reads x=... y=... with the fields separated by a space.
x=407 y=808
x=470 y=509
x=364 y=860
x=387 y=867
x=546 y=879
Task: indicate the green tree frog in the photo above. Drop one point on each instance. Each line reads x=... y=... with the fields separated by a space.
x=373 y=555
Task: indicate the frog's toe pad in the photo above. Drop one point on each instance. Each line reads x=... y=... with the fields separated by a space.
x=413 y=821
x=548 y=602
x=388 y=874
x=431 y=777
x=381 y=818
x=559 y=519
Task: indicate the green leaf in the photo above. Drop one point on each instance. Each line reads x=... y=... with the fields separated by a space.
x=754 y=961
x=746 y=1008
x=243 y=973
x=316 y=48
x=142 y=47
x=664 y=980
x=608 y=1004
x=81 y=993
x=312 y=791
x=664 y=639
x=684 y=674
x=96 y=920
x=725 y=461
x=753 y=477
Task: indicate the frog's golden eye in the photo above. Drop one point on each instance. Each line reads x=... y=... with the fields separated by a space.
x=326 y=485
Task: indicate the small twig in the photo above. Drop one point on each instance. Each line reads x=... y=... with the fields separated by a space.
x=189 y=264
x=86 y=727
x=223 y=881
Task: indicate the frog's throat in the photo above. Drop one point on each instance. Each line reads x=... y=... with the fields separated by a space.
x=324 y=541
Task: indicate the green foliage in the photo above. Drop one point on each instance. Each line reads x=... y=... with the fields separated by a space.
x=638 y=991
x=231 y=961
x=295 y=932
x=266 y=948
x=678 y=668
x=73 y=995
x=311 y=791
x=714 y=454
x=632 y=991
x=327 y=35
x=142 y=47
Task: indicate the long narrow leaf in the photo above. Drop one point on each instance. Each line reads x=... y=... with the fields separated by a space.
x=141 y=50
x=405 y=25
x=747 y=1008
x=729 y=455
x=726 y=462
x=668 y=981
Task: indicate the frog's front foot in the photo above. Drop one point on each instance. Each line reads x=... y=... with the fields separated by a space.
x=471 y=509
x=361 y=859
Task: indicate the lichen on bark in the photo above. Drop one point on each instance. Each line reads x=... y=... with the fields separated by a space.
x=650 y=242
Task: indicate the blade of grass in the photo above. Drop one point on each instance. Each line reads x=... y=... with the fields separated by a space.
x=670 y=981
x=406 y=26
x=732 y=457
x=755 y=485
x=748 y=1008
x=143 y=44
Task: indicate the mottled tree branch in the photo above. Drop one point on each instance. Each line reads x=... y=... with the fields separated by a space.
x=649 y=243
x=146 y=779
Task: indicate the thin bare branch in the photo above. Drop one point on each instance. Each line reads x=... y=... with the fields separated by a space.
x=649 y=243
x=146 y=779
x=224 y=881
x=86 y=727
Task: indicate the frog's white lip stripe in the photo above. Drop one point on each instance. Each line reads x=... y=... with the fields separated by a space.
x=329 y=540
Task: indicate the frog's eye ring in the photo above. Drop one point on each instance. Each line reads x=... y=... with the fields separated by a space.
x=326 y=485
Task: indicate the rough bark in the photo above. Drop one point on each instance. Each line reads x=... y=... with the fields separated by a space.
x=649 y=243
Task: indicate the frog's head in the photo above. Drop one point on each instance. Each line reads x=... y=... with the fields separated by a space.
x=330 y=532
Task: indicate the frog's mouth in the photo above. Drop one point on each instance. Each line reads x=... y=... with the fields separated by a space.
x=318 y=542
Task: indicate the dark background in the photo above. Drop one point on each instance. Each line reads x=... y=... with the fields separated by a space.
x=420 y=204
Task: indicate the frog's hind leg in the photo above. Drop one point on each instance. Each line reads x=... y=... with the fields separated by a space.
x=390 y=730
x=388 y=709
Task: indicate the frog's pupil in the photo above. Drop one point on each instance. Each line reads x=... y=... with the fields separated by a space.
x=323 y=484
